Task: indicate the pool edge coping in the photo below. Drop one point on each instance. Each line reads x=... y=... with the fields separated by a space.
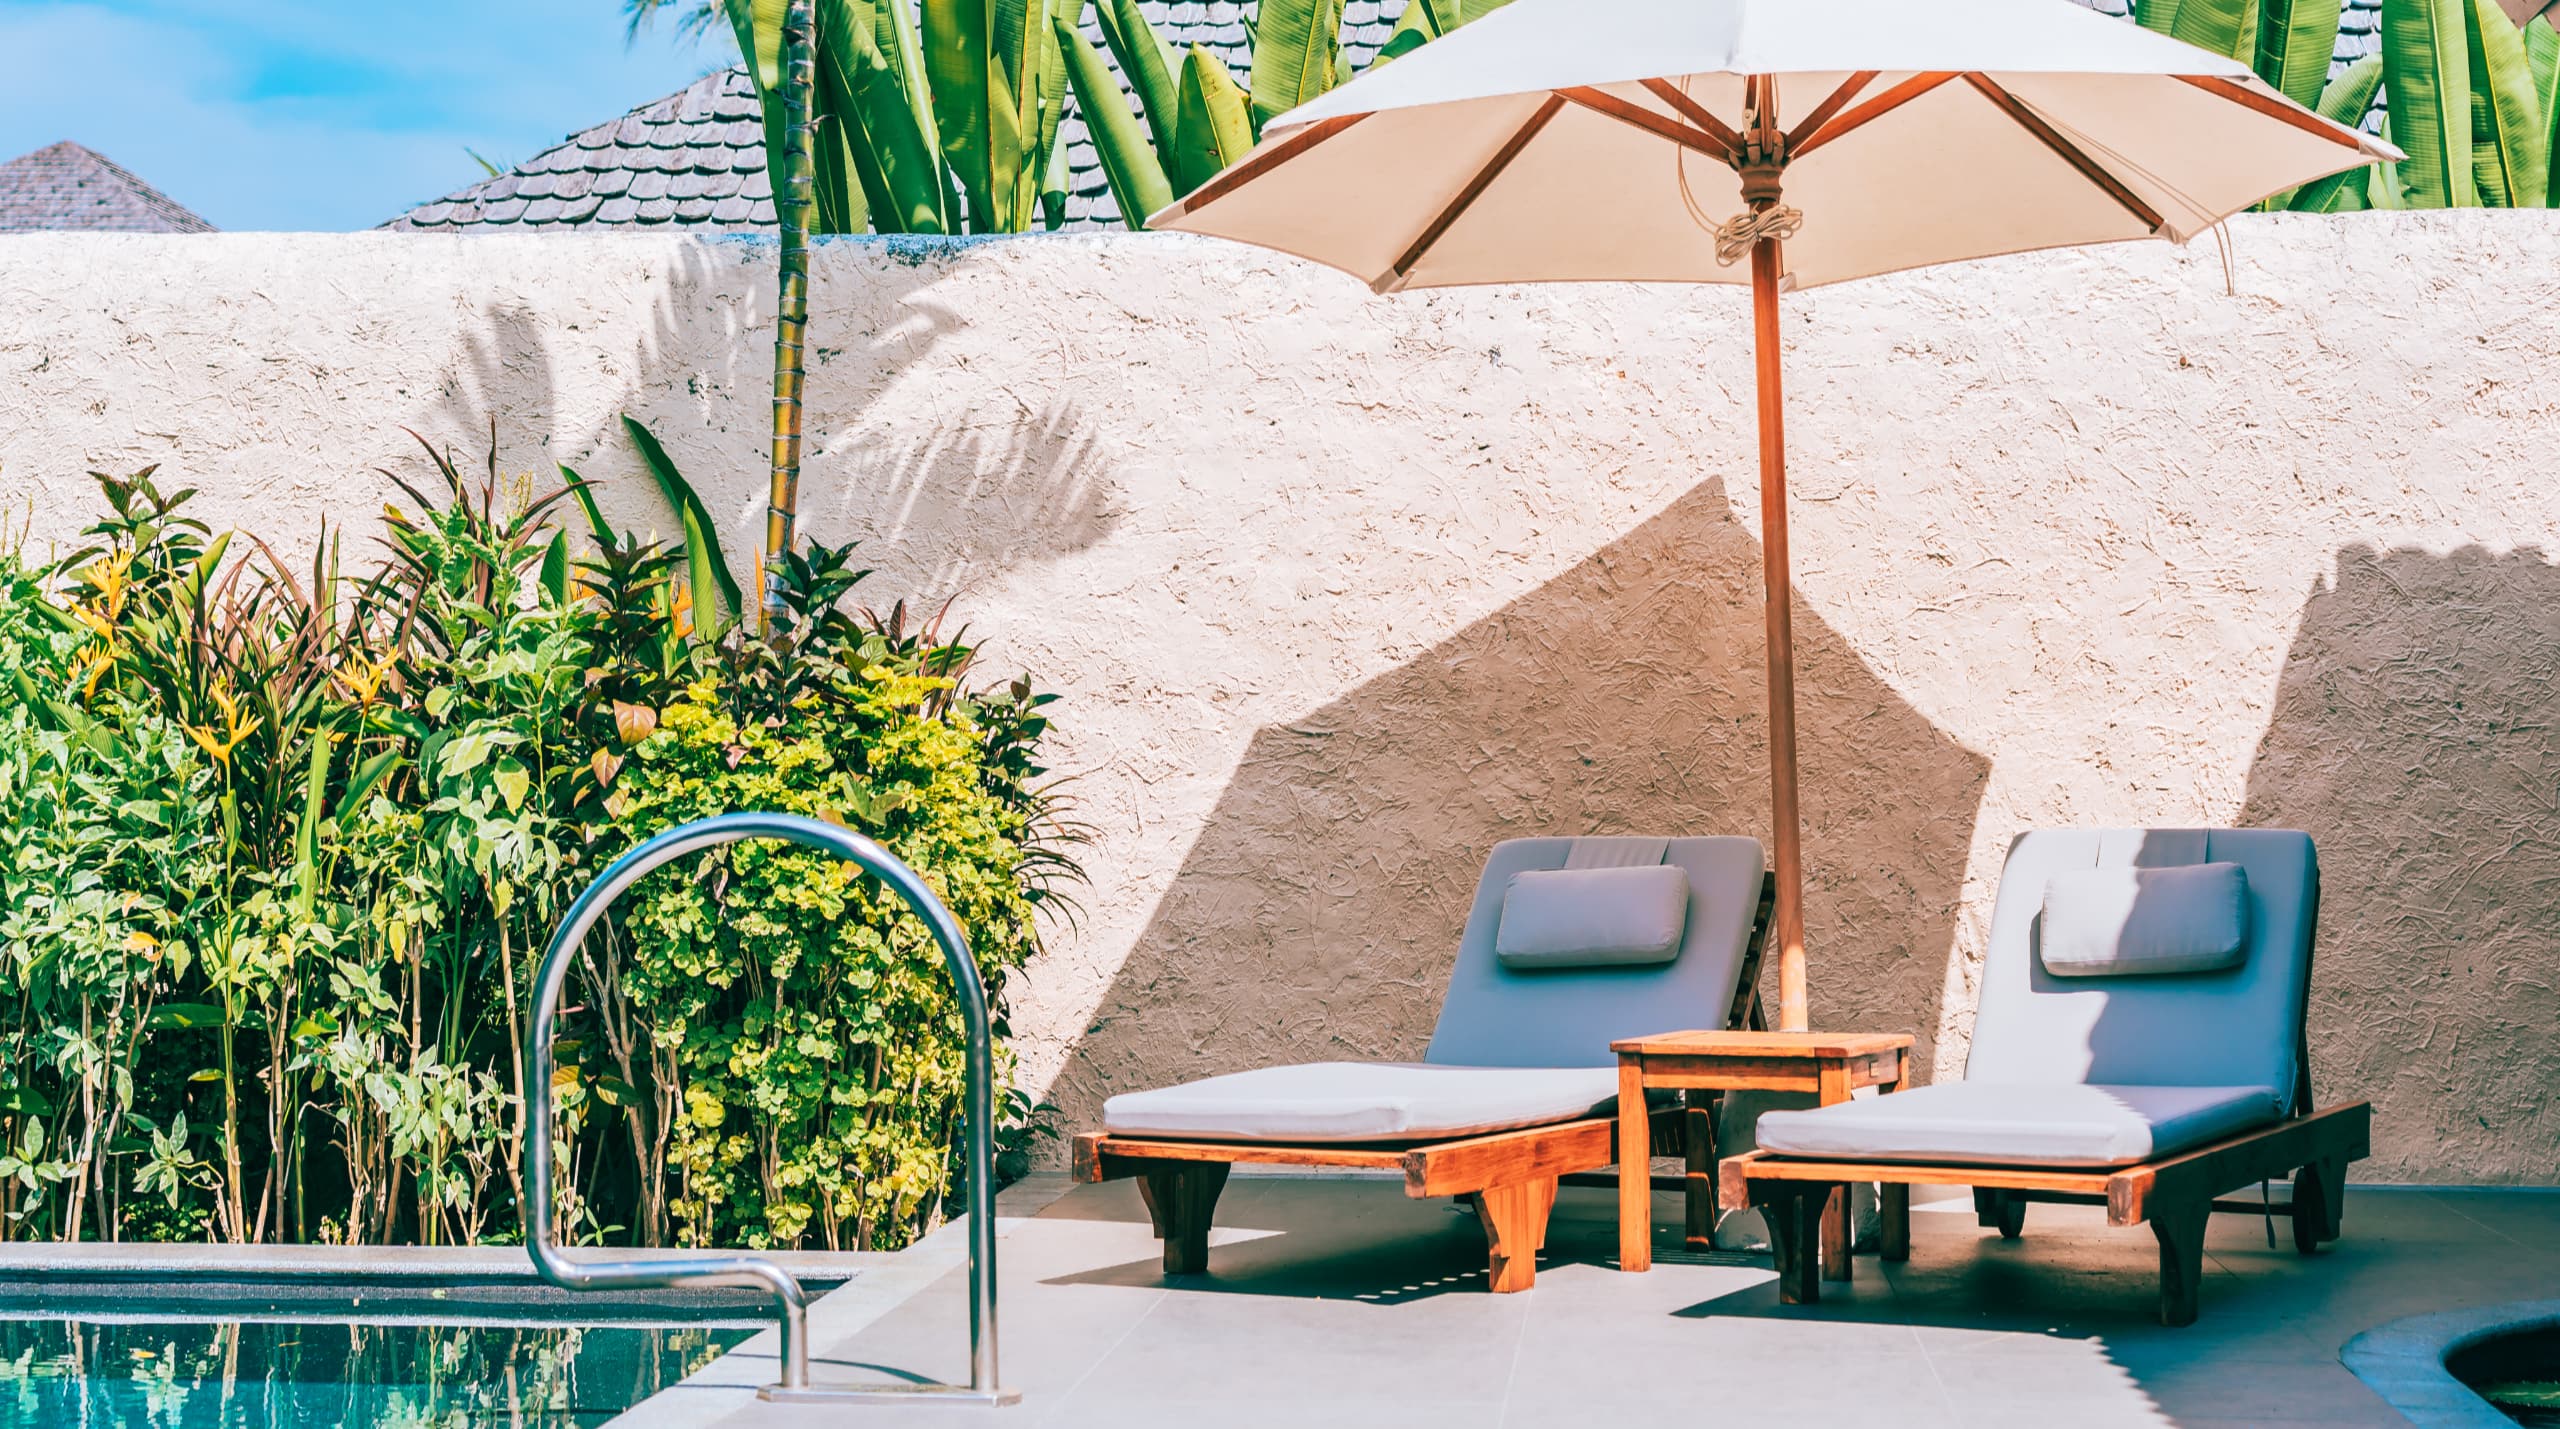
x=2403 y=1361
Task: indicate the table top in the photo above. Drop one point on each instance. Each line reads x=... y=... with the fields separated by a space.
x=1808 y=1045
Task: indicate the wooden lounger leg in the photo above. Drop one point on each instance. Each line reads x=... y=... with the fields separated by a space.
x=1999 y=1210
x=2180 y=1230
x=1836 y=1261
x=1700 y=1119
x=1515 y=1230
x=1793 y=1210
x=1182 y=1198
x=1893 y=1213
x=2319 y=1200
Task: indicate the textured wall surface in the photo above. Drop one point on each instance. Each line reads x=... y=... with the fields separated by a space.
x=1343 y=589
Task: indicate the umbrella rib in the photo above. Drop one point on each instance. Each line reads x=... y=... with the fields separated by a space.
x=1822 y=112
x=1876 y=108
x=1255 y=164
x=1693 y=111
x=1661 y=125
x=2274 y=108
x=2070 y=153
x=1476 y=186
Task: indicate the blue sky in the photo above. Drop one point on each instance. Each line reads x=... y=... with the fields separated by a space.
x=322 y=114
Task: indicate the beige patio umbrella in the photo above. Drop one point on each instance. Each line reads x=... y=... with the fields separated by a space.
x=1782 y=143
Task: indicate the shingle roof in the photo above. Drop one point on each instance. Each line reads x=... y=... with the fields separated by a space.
x=695 y=159
x=68 y=186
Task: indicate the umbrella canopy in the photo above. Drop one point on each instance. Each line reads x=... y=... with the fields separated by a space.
x=1672 y=140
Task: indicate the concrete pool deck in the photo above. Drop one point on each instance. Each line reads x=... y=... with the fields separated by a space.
x=1339 y=1301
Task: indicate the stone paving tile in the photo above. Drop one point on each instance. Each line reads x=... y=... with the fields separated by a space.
x=1342 y=1302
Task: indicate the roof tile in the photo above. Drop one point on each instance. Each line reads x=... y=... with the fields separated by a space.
x=67 y=186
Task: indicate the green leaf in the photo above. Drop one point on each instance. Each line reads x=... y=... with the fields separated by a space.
x=207 y=1074
x=2295 y=40
x=2426 y=69
x=959 y=60
x=2346 y=100
x=2542 y=55
x=2509 y=161
x=512 y=782
x=1216 y=121
x=186 y=1015
x=911 y=189
x=1149 y=65
x=26 y=1101
x=584 y=491
x=306 y=828
x=707 y=568
x=360 y=785
x=1297 y=47
x=1138 y=184
x=555 y=568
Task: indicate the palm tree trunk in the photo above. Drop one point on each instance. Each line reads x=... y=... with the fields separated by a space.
x=793 y=198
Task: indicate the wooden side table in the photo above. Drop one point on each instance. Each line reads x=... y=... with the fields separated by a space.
x=1705 y=1065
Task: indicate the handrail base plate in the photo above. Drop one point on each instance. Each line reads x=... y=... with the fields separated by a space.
x=955 y=1394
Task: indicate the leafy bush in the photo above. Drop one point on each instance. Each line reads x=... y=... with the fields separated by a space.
x=278 y=853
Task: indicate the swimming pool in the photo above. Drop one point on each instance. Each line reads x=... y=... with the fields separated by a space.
x=215 y=1374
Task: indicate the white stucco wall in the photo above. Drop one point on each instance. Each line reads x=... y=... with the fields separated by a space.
x=1343 y=589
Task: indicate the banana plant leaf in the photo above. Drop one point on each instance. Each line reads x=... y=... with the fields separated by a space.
x=2295 y=41
x=2346 y=100
x=2542 y=56
x=910 y=189
x=1138 y=183
x=960 y=73
x=2228 y=28
x=1297 y=54
x=2509 y=161
x=2426 y=69
x=1426 y=20
x=1216 y=124
x=1149 y=64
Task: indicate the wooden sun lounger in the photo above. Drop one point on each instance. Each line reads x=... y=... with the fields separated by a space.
x=2174 y=1196
x=1510 y=1177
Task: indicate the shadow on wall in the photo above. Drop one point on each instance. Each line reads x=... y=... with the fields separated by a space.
x=986 y=488
x=1317 y=915
x=2413 y=738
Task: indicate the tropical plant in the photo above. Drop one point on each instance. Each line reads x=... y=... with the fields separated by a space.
x=276 y=851
x=2471 y=98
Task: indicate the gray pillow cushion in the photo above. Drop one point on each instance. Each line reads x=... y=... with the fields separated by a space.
x=2124 y=921
x=1592 y=917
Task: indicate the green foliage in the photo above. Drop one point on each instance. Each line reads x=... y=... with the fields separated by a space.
x=277 y=852
x=2426 y=71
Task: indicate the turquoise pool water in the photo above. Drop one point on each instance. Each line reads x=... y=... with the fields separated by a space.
x=138 y=1373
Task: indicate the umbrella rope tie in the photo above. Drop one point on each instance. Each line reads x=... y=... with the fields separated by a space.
x=1738 y=235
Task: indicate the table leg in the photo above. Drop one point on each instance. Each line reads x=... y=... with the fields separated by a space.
x=1635 y=1169
x=1893 y=1204
x=1701 y=1128
x=1835 y=1212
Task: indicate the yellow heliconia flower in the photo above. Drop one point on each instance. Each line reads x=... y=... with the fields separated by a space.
x=234 y=731
x=366 y=685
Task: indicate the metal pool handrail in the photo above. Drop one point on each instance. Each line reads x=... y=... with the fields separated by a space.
x=977 y=1110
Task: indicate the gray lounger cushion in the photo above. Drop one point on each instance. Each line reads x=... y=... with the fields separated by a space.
x=1328 y=1102
x=1495 y=1015
x=1593 y=917
x=2238 y=1028
x=2021 y=1124
x=2123 y=921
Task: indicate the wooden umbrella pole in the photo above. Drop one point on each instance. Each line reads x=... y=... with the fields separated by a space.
x=1786 y=829
x=1765 y=158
